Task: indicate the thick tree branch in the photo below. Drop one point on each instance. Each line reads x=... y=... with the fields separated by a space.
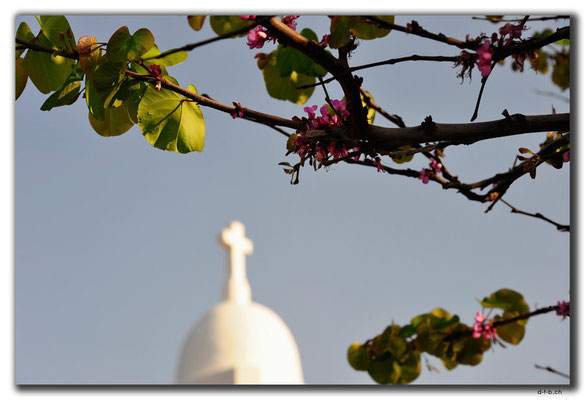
x=467 y=133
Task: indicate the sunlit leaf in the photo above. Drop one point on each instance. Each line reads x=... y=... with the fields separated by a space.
x=561 y=70
x=171 y=122
x=285 y=87
x=117 y=120
x=46 y=71
x=381 y=369
x=289 y=59
x=512 y=332
x=404 y=158
x=56 y=28
x=123 y=46
x=196 y=21
x=507 y=300
x=469 y=351
x=107 y=79
x=340 y=30
x=165 y=61
x=371 y=111
x=23 y=33
x=357 y=357
x=367 y=30
x=223 y=25
x=67 y=94
x=21 y=78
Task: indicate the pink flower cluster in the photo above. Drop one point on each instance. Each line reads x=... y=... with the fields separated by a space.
x=564 y=309
x=260 y=35
x=480 y=328
x=327 y=119
x=567 y=156
x=426 y=173
x=514 y=32
x=485 y=52
x=484 y=58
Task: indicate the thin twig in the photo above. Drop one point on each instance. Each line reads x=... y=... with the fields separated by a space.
x=554 y=371
x=518 y=20
x=391 y=61
x=560 y=227
x=228 y=35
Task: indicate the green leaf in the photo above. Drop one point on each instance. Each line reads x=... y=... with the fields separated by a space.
x=67 y=94
x=507 y=300
x=107 y=79
x=57 y=30
x=285 y=87
x=125 y=47
x=165 y=61
x=170 y=121
x=541 y=62
x=449 y=364
x=46 y=71
x=21 y=78
x=289 y=59
x=561 y=70
x=358 y=357
x=469 y=351
x=405 y=157
x=117 y=120
x=381 y=369
x=371 y=112
x=340 y=30
x=512 y=332
x=407 y=331
x=196 y=21
x=223 y=25
x=23 y=33
x=94 y=103
x=410 y=368
x=366 y=30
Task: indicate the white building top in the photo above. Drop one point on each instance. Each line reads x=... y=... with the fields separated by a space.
x=239 y=341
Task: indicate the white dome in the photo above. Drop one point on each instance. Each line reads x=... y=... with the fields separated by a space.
x=240 y=343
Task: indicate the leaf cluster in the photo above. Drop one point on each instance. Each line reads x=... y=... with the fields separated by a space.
x=393 y=357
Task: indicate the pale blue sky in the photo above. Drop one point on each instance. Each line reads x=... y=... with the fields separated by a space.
x=116 y=251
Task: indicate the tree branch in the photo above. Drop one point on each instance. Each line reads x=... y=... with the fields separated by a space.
x=560 y=227
x=467 y=133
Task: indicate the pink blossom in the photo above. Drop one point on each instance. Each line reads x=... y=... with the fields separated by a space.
x=310 y=111
x=290 y=21
x=564 y=309
x=566 y=156
x=257 y=37
x=246 y=17
x=436 y=166
x=378 y=163
x=479 y=317
x=479 y=329
x=424 y=175
x=320 y=154
x=515 y=31
x=484 y=59
x=325 y=41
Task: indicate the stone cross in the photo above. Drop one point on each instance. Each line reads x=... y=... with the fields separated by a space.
x=237 y=289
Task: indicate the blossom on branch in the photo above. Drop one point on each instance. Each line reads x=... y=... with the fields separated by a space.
x=564 y=309
x=484 y=59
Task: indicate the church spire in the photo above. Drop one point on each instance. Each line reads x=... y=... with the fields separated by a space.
x=237 y=288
